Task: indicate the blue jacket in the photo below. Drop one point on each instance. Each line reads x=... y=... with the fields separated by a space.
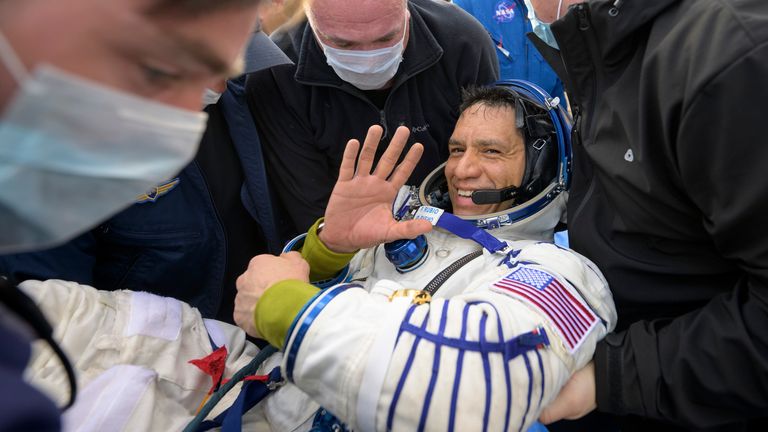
x=507 y=23
x=22 y=407
x=173 y=243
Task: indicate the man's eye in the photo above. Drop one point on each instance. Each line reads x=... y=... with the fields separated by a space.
x=456 y=150
x=158 y=76
x=491 y=151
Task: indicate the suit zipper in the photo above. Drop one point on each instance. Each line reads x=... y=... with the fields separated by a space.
x=449 y=271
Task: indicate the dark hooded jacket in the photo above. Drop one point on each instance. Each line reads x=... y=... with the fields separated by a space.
x=670 y=199
x=306 y=114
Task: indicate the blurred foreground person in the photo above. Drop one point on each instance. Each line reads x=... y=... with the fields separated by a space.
x=99 y=101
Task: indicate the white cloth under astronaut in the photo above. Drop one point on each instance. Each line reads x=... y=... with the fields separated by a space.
x=131 y=350
x=381 y=365
x=135 y=346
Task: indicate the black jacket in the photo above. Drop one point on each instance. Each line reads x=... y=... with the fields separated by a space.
x=670 y=199
x=306 y=114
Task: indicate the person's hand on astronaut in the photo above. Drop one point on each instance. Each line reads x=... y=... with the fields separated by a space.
x=575 y=400
x=264 y=271
x=359 y=212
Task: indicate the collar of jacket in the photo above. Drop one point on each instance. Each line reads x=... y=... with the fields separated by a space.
x=616 y=21
x=597 y=36
x=421 y=52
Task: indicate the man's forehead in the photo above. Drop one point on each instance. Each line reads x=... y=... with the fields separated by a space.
x=492 y=113
x=487 y=123
x=356 y=13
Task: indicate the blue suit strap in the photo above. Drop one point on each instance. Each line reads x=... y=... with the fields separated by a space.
x=252 y=392
x=460 y=227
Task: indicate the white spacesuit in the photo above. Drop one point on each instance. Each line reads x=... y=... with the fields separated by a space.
x=506 y=319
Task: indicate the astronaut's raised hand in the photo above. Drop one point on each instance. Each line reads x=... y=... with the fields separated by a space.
x=263 y=272
x=359 y=212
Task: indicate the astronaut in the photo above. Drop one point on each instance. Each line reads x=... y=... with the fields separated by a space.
x=457 y=312
x=476 y=323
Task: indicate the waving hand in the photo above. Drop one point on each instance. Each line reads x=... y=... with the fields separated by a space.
x=359 y=212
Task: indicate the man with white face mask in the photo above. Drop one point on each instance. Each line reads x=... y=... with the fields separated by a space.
x=98 y=102
x=391 y=62
x=669 y=200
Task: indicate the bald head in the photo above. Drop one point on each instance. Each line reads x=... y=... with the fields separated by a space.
x=358 y=25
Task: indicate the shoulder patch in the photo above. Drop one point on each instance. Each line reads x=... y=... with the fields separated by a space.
x=156 y=192
x=568 y=314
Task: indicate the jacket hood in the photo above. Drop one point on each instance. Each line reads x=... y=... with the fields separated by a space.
x=619 y=19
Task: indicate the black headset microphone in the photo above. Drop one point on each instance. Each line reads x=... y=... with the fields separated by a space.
x=494 y=196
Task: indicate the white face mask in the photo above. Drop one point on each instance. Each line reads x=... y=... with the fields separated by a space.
x=210 y=97
x=73 y=152
x=366 y=70
x=540 y=28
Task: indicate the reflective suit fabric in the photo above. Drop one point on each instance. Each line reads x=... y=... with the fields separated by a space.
x=439 y=374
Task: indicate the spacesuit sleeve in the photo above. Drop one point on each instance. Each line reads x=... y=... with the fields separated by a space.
x=494 y=355
x=323 y=262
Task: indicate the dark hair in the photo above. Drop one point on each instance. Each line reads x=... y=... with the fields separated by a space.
x=196 y=7
x=492 y=97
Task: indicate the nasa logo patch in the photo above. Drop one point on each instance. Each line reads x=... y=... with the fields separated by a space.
x=505 y=11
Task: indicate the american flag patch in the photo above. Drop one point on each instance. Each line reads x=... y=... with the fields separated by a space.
x=569 y=315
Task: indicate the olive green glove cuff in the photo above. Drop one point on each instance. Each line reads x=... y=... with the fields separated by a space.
x=278 y=307
x=323 y=262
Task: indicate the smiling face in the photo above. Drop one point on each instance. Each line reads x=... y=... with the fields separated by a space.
x=170 y=57
x=486 y=151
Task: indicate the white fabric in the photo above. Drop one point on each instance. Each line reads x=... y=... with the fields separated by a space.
x=107 y=402
x=215 y=332
x=140 y=379
x=378 y=362
x=155 y=316
x=334 y=356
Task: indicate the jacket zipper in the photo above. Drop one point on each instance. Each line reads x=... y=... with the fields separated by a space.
x=578 y=119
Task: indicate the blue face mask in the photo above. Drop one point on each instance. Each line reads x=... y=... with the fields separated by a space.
x=541 y=29
x=73 y=152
